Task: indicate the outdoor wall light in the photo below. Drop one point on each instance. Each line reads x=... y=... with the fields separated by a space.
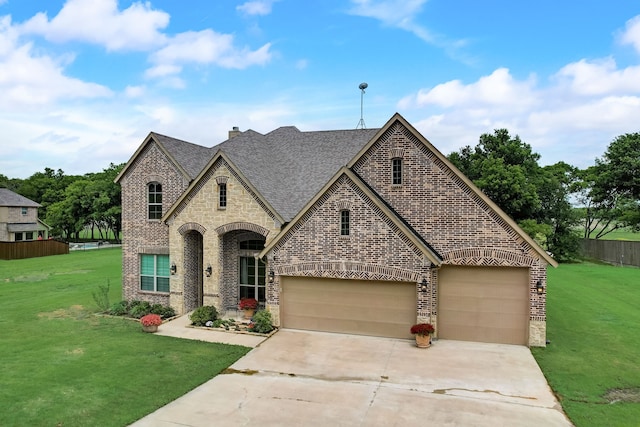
x=208 y=270
x=173 y=269
x=423 y=285
x=271 y=276
x=539 y=287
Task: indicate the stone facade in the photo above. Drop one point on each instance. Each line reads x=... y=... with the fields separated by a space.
x=243 y=218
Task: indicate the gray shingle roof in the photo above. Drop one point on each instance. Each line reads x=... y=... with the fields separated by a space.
x=9 y=198
x=191 y=157
x=288 y=167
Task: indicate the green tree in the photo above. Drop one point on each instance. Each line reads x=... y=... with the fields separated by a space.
x=506 y=170
x=619 y=167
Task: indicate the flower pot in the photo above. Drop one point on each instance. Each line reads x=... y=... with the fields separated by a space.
x=150 y=328
x=423 y=341
x=249 y=312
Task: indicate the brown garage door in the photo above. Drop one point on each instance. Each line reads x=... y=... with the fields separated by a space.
x=386 y=309
x=483 y=304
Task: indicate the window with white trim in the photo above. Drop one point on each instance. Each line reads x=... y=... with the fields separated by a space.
x=154 y=200
x=25 y=211
x=154 y=273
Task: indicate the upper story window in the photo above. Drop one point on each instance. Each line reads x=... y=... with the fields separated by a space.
x=154 y=200
x=396 y=171
x=222 y=195
x=25 y=211
x=344 y=222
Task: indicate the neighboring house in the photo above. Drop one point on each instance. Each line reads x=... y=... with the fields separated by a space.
x=364 y=231
x=19 y=218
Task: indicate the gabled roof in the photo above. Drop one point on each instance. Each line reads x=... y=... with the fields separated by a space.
x=506 y=218
x=288 y=167
x=196 y=184
x=10 y=199
x=430 y=253
x=187 y=157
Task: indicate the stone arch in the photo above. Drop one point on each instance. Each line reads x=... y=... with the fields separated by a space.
x=232 y=226
x=487 y=257
x=191 y=226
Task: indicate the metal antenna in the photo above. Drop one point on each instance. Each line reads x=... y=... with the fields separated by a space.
x=362 y=87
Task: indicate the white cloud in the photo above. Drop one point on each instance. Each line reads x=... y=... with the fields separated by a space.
x=394 y=13
x=631 y=33
x=134 y=91
x=204 y=47
x=600 y=77
x=101 y=22
x=30 y=79
x=262 y=7
x=584 y=106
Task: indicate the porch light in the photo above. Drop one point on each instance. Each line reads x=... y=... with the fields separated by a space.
x=173 y=269
x=271 y=276
x=208 y=270
x=539 y=287
x=423 y=285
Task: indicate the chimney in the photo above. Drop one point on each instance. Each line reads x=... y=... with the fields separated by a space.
x=234 y=132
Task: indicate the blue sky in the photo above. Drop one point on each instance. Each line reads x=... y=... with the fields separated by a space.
x=84 y=81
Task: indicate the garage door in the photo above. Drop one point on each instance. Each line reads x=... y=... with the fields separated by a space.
x=386 y=309
x=484 y=304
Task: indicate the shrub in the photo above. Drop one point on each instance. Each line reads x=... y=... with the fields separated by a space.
x=141 y=308
x=168 y=312
x=261 y=322
x=101 y=297
x=119 y=308
x=201 y=315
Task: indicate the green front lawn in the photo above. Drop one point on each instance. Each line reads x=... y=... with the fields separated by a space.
x=62 y=366
x=593 y=361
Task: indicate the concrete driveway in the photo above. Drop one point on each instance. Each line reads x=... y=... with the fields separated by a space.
x=300 y=378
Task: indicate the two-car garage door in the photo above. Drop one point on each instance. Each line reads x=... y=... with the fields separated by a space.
x=379 y=308
x=486 y=304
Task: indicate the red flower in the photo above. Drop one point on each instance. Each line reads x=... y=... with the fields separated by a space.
x=248 y=304
x=422 y=329
x=151 y=320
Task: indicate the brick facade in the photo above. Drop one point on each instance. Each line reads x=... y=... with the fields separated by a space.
x=454 y=224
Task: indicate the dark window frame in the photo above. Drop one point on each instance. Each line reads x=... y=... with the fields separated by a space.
x=345 y=223
x=154 y=201
x=222 y=195
x=396 y=171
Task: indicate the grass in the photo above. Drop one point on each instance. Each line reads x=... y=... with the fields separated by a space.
x=593 y=361
x=620 y=234
x=62 y=366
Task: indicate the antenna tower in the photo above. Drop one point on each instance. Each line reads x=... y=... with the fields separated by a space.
x=361 y=124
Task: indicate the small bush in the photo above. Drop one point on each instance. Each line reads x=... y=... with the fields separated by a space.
x=101 y=297
x=261 y=322
x=119 y=308
x=142 y=308
x=168 y=312
x=164 y=311
x=201 y=315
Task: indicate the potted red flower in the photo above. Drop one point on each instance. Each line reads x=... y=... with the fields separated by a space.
x=150 y=322
x=423 y=332
x=249 y=306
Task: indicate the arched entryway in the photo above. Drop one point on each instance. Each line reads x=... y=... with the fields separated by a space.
x=243 y=273
x=193 y=270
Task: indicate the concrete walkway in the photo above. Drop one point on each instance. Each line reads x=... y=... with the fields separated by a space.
x=322 y=379
x=179 y=328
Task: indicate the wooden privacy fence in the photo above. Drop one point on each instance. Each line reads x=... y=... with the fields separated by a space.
x=32 y=249
x=618 y=252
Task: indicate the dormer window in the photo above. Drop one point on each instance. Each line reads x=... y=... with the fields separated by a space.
x=396 y=171
x=344 y=222
x=154 y=200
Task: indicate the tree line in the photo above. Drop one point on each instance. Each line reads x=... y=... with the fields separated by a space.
x=73 y=203
x=556 y=205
